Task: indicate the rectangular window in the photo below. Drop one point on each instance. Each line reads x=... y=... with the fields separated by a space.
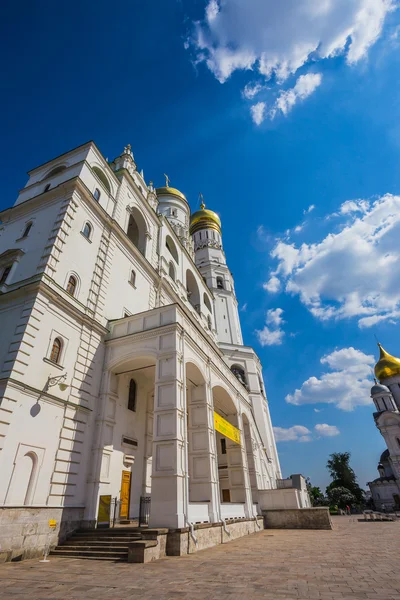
x=5 y=274
x=223 y=445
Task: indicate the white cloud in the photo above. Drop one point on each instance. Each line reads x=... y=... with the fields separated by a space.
x=351 y=272
x=277 y=38
x=309 y=209
x=305 y=86
x=297 y=433
x=317 y=410
x=258 y=112
x=274 y=317
x=325 y=430
x=273 y=285
x=251 y=90
x=272 y=334
x=347 y=384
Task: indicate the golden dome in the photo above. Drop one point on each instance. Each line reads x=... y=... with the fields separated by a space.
x=204 y=219
x=387 y=365
x=170 y=191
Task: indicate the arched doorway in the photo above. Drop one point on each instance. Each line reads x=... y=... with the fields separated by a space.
x=124 y=464
x=229 y=452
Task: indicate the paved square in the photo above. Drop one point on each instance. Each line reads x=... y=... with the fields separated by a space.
x=356 y=560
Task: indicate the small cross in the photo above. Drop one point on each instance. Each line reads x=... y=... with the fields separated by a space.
x=166 y=180
x=201 y=198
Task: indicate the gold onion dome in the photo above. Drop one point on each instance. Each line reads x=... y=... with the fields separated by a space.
x=387 y=365
x=170 y=191
x=204 y=219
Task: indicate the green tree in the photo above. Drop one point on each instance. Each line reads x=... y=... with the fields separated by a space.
x=316 y=496
x=343 y=475
x=340 y=496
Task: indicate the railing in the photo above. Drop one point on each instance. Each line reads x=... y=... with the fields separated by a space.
x=230 y=510
x=198 y=512
x=144 y=510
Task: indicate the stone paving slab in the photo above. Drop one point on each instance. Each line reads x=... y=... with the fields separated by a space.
x=355 y=560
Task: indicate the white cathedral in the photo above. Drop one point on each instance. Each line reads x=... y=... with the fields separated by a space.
x=123 y=370
x=385 y=490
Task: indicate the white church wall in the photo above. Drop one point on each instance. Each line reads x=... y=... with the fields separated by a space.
x=122 y=296
x=42 y=218
x=34 y=429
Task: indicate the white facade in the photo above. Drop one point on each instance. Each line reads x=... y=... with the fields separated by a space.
x=101 y=284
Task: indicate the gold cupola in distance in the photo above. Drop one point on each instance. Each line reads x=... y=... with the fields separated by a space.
x=167 y=190
x=387 y=365
x=204 y=219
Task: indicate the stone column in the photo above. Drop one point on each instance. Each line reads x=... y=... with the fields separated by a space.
x=202 y=459
x=248 y=498
x=168 y=464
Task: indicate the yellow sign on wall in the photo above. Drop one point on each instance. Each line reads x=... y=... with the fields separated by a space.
x=103 y=515
x=226 y=428
x=52 y=523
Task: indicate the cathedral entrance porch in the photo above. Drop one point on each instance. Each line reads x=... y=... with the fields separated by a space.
x=157 y=426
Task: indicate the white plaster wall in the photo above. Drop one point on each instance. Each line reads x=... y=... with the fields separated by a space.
x=37 y=432
x=43 y=219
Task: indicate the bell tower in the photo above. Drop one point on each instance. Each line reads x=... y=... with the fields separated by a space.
x=205 y=229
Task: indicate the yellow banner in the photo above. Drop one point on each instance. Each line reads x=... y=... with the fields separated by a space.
x=226 y=428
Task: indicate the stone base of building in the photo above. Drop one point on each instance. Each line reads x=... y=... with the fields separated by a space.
x=297 y=518
x=26 y=532
x=206 y=535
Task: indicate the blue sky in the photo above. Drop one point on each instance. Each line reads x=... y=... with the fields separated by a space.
x=220 y=97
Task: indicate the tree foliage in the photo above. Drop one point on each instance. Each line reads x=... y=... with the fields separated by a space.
x=343 y=475
x=341 y=496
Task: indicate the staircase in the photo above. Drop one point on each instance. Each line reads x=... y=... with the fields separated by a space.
x=99 y=544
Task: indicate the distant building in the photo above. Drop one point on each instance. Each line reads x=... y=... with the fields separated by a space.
x=385 y=489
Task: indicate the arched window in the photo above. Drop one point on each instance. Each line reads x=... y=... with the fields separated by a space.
x=137 y=230
x=171 y=271
x=87 y=230
x=71 y=285
x=96 y=194
x=47 y=187
x=55 y=354
x=56 y=171
x=192 y=290
x=172 y=248
x=5 y=274
x=132 y=395
x=132 y=279
x=220 y=283
x=239 y=373
x=27 y=229
x=101 y=175
x=207 y=302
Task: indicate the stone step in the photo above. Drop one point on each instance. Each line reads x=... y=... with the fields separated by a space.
x=110 y=555
x=94 y=548
x=106 y=538
x=110 y=530
x=100 y=541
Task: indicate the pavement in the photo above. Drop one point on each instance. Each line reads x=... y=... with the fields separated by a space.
x=356 y=560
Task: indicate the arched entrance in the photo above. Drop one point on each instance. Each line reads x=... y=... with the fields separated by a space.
x=124 y=454
x=229 y=452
